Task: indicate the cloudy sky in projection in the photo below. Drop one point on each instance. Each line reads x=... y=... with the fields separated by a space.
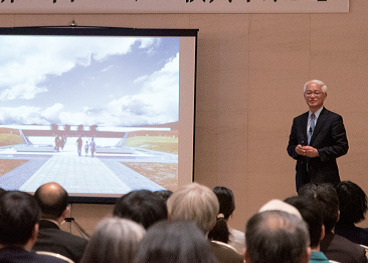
x=108 y=81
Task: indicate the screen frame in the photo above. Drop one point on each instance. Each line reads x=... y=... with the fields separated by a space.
x=74 y=30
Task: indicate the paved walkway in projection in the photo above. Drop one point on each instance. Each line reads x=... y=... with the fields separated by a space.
x=77 y=175
x=103 y=174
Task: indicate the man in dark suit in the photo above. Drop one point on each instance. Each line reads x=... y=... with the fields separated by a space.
x=19 y=216
x=317 y=138
x=53 y=200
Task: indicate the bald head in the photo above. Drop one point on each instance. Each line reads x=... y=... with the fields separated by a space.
x=53 y=200
x=276 y=236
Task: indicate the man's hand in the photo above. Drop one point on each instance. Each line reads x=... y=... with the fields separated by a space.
x=299 y=149
x=311 y=152
x=308 y=151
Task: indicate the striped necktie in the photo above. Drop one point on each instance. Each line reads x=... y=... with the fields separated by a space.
x=311 y=127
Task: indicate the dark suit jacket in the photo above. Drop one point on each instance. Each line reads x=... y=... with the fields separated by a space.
x=51 y=238
x=329 y=138
x=340 y=249
x=19 y=255
x=355 y=234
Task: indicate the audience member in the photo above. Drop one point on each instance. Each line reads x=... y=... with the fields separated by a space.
x=114 y=240
x=221 y=231
x=141 y=206
x=53 y=201
x=276 y=236
x=174 y=242
x=335 y=247
x=276 y=204
x=353 y=207
x=197 y=203
x=19 y=216
x=312 y=215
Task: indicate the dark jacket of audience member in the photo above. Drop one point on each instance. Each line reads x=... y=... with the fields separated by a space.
x=141 y=206
x=335 y=247
x=353 y=207
x=175 y=242
x=19 y=216
x=276 y=236
x=114 y=240
x=53 y=200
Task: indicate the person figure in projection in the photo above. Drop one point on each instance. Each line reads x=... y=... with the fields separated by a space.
x=63 y=141
x=57 y=142
x=86 y=147
x=92 y=146
x=79 y=144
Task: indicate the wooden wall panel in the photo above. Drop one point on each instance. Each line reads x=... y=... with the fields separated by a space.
x=251 y=70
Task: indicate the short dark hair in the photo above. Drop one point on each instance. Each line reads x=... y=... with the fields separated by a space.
x=276 y=236
x=142 y=206
x=174 y=242
x=328 y=201
x=220 y=231
x=353 y=202
x=165 y=194
x=52 y=203
x=19 y=213
x=311 y=214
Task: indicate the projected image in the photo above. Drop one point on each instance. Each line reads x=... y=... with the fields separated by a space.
x=98 y=115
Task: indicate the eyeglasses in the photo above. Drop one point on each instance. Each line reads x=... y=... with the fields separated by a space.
x=316 y=92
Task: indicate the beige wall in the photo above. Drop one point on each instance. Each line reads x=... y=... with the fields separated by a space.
x=251 y=68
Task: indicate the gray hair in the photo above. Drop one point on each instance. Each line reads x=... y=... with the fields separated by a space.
x=114 y=240
x=196 y=203
x=276 y=236
x=175 y=242
x=321 y=83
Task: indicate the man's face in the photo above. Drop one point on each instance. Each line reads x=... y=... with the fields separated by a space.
x=314 y=96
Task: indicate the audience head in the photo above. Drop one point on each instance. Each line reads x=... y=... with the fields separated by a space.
x=353 y=202
x=327 y=199
x=174 y=242
x=164 y=194
x=226 y=200
x=141 y=206
x=276 y=236
x=196 y=203
x=19 y=216
x=114 y=240
x=312 y=215
x=52 y=199
x=225 y=197
x=276 y=204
